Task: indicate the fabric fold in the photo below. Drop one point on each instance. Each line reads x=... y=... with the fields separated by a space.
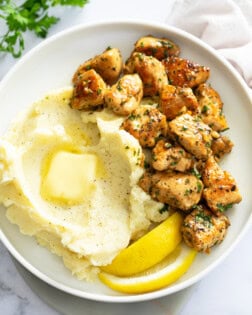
x=224 y=25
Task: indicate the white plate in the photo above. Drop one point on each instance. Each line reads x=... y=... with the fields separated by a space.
x=51 y=65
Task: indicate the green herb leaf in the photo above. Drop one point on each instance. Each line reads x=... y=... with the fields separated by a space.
x=30 y=15
x=204 y=219
x=204 y=109
x=195 y=172
x=199 y=187
x=165 y=208
x=223 y=208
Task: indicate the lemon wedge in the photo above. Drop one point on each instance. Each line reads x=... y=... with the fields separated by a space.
x=157 y=277
x=149 y=249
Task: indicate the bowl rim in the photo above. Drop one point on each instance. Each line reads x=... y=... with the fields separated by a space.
x=165 y=291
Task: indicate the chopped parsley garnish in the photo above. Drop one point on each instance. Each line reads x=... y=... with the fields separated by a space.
x=225 y=129
x=188 y=192
x=119 y=88
x=204 y=219
x=199 y=187
x=165 y=208
x=168 y=145
x=208 y=144
x=204 y=109
x=132 y=117
x=196 y=173
x=166 y=44
x=223 y=208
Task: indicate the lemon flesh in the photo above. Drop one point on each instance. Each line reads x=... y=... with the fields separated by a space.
x=157 y=277
x=148 y=250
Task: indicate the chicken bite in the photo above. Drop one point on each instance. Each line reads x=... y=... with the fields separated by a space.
x=150 y=70
x=166 y=156
x=221 y=190
x=125 y=95
x=221 y=146
x=192 y=134
x=88 y=91
x=174 y=101
x=183 y=72
x=159 y=48
x=211 y=107
x=147 y=124
x=109 y=65
x=182 y=191
x=202 y=230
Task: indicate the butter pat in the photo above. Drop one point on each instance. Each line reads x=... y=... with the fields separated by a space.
x=70 y=177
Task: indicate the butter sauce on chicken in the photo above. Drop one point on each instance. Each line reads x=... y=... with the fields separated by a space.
x=93 y=168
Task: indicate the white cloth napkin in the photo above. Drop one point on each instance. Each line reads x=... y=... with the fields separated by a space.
x=223 y=24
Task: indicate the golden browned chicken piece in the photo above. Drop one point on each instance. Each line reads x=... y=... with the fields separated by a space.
x=146 y=124
x=109 y=65
x=159 y=48
x=166 y=156
x=221 y=190
x=151 y=71
x=88 y=91
x=202 y=230
x=178 y=190
x=221 y=146
x=211 y=107
x=125 y=95
x=183 y=72
x=192 y=134
x=174 y=101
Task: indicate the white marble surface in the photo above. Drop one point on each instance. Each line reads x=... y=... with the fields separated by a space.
x=226 y=290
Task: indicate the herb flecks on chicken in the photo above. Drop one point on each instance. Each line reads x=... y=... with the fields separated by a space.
x=167 y=104
x=202 y=229
x=221 y=190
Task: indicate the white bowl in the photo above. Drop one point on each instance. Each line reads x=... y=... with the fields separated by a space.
x=50 y=65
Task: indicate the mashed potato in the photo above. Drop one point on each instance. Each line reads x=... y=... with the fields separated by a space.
x=89 y=220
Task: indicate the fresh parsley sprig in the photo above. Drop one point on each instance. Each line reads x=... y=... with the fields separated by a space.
x=31 y=15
